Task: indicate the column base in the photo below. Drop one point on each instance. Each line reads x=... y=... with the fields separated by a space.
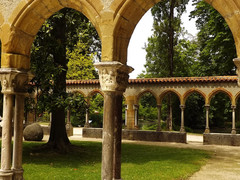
x=207 y=131
x=136 y=127
x=182 y=130
x=18 y=174
x=159 y=129
x=6 y=175
x=233 y=131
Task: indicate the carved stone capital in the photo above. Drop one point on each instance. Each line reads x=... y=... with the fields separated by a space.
x=14 y=81
x=113 y=76
x=237 y=64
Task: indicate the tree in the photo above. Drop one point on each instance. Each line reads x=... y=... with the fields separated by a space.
x=49 y=63
x=216 y=43
x=162 y=53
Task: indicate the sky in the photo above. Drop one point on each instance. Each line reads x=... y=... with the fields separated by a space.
x=143 y=30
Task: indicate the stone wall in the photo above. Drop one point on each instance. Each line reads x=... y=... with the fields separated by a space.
x=140 y=135
x=221 y=139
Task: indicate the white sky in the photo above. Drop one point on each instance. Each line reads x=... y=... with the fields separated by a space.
x=143 y=30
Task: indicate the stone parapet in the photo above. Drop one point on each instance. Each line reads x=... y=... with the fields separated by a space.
x=140 y=135
x=221 y=139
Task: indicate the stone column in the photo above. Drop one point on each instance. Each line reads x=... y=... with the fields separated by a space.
x=86 y=125
x=159 y=107
x=130 y=112
x=233 y=120
x=182 y=129
x=135 y=107
x=126 y=108
x=13 y=82
x=69 y=126
x=113 y=78
x=18 y=136
x=207 y=129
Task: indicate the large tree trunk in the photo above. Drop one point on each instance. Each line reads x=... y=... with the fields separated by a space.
x=58 y=139
x=170 y=59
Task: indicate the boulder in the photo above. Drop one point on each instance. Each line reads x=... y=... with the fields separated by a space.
x=33 y=132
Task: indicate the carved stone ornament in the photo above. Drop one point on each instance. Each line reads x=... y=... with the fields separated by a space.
x=14 y=81
x=237 y=64
x=113 y=76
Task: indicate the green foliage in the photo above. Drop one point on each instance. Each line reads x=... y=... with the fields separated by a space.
x=96 y=110
x=216 y=43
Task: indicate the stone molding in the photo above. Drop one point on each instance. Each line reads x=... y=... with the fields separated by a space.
x=237 y=64
x=14 y=81
x=113 y=75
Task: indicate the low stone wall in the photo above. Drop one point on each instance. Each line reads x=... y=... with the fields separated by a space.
x=140 y=135
x=221 y=139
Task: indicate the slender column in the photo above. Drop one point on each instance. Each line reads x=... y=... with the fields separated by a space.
x=207 y=130
x=135 y=107
x=182 y=130
x=159 y=107
x=126 y=108
x=18 y=136
x=6 y=172
x=113 y=78
x=87 y=118
x=69 y=126
x=233 y=120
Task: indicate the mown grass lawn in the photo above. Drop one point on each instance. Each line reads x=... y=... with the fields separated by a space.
x=138 y=162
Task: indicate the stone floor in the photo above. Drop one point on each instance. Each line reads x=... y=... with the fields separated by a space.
x=224 y=165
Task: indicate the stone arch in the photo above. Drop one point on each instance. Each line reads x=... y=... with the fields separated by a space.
x=218 y=90
x=191 y=91
x=164 y=93
x=27 y=18
x=237 y=96
x=144 y=92
x=79 y=92
x=128 y=13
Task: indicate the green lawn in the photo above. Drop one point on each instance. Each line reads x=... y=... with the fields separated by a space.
x=138 y=162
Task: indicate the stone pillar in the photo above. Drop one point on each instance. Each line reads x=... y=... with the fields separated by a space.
x=126 y=114
x=130 y=100
x=233 y=120
x=18 y=136
x=207 y=129
x=113 y=78
x=86 y=125
x=13 y=83
x=182 y=129
x=135 y=107
x=69 y=126
x=159 y=107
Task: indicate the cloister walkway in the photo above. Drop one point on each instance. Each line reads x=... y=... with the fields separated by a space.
x=183 y=87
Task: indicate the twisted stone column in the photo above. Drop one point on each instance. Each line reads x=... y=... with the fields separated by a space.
x=182 y=129
x=207 y=130
x=113 y=78
x=233 y=120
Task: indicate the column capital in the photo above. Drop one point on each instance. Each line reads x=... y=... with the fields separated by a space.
x=182 y=106
x=135 y=107
x=113 y=76
x=233 y=107
x=159 y=106
x=14 y=81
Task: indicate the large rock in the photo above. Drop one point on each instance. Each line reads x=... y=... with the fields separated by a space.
x=33 y=132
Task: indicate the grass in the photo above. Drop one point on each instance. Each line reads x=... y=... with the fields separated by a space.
x=138 y=162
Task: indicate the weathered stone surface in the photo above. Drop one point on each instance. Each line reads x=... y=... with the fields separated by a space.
x=33 y=132
x=140 y=135
x=221 y=139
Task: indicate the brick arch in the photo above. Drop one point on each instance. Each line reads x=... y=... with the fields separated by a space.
x=164 y=93
x=191 y=91
x=144 y=92
x=128 y=13
x=216 y=91
x=27 y=18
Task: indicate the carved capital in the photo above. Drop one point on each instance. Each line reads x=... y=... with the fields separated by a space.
x=113 y=76
x=14 y=81
x=237 y=64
